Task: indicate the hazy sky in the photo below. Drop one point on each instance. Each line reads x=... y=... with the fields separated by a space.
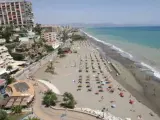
x=97 y=11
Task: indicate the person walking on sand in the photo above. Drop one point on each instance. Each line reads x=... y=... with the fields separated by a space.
x=154 y=90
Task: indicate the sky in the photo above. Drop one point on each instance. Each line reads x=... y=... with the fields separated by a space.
x=97 y=11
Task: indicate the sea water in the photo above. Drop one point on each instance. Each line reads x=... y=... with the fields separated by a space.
x=138 y=43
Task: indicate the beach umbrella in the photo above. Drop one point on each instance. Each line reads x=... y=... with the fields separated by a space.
x=121 y=94
x=131 y=101
x=110 y=86
x=113 y=106
x=101 y=90
x=88 y=86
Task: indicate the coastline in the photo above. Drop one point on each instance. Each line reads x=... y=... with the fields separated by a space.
x=67 y=70
x=148 y=84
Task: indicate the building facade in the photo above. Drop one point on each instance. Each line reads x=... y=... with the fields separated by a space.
x=16 y=12
x=5 y=57
x=51 y=39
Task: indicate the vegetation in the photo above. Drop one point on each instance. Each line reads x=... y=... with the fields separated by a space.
x=9 y=68
x=48 y=48
x=7 y=33
x=68 y=100
x=60 y=51
x=78 y=37
x=38 y=29
x=17 y=109
x=64 y=35
x=3 y=115
x=50 y=68
x=62 y=55
x=34 y=118
x=49 y=98
x=17 y=56
x=8 y=78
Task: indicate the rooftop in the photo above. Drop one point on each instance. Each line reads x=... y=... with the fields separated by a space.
x=20 y=88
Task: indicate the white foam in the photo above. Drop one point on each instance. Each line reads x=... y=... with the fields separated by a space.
x=155 y=72
x=126 y=54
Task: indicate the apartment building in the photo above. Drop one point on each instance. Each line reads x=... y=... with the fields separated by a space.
x=51 y=39
x=16 y=12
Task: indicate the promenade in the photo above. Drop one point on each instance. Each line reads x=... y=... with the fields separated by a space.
x=47 y=113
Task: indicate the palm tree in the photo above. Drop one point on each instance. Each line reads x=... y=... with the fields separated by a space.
x=9 y=68
x=49 y=98
x=16 y=109
x=34 y=118
x=64 y=35
x=38 y=29
x=7 y=33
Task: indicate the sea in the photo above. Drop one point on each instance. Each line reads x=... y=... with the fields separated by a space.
x=141 y=44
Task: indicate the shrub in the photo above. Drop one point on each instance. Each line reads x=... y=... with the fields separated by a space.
x=48 y=48
x=49 y=98
x=69 y=101
x=17 y=56
x=78 y=37
x=3 y=115
x=62 y=55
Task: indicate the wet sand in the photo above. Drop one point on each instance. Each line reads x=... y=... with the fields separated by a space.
x=147 y=87
x=96 y=90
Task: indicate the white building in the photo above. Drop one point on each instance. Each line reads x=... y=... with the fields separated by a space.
x=5 y=58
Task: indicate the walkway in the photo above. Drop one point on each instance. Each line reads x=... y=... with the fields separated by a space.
x=50 y=86
x=49 y=114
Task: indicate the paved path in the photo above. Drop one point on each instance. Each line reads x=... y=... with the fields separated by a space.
x=50 y=86
x=49 y=114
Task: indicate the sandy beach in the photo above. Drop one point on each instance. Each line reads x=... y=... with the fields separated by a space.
x=93 y=82
x=147 y=86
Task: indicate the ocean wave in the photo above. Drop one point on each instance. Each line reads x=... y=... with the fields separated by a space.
x=125 y=54
x=155 y=72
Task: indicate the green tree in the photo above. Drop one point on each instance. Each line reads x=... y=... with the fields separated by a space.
x=17 y=56
x=7 y=33
x=34 y=118
x=9 y=68
x=49 y=98
x=8 y=78
x=17 y=109
x=49 y=48
x=38 y=29
x=60 y=51
x=69 y=101
x=78 y=37
x=64 y=35
x=3 y=115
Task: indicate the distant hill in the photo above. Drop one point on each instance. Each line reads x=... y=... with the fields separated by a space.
x=81 y=25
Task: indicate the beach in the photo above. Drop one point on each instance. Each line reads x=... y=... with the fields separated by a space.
x=95 y=83
x=147 y=88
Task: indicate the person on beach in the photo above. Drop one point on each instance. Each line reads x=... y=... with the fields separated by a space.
x=154 y=91
x=102 y=97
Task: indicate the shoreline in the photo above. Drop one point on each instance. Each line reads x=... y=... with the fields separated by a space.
x=146 y=67
x=148 y=83
x=67 y=71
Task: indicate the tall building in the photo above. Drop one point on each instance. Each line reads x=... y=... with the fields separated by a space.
x=16 y=12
